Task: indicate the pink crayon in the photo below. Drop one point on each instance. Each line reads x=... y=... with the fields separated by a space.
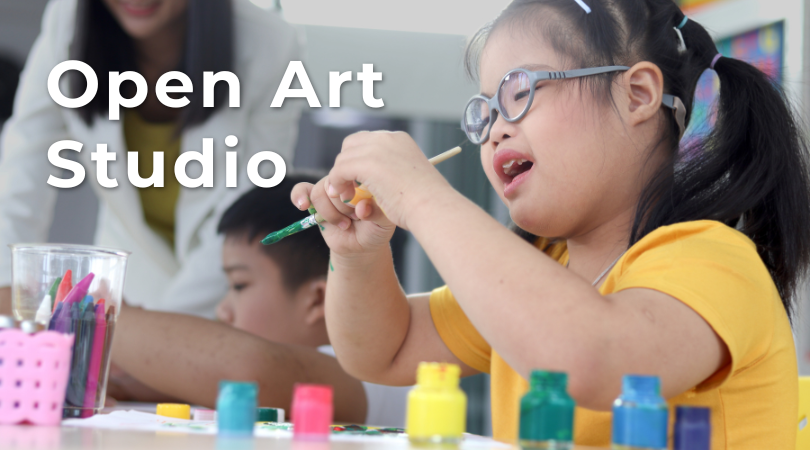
x=79 y=290
x=95 y=359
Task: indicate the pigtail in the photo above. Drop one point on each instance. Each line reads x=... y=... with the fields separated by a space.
x=750 y=172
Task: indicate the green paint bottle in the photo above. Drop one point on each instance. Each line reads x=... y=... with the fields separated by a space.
x=547 y=412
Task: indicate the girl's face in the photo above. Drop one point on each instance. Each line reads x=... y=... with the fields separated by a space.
x=581 y=165
x=142 y=19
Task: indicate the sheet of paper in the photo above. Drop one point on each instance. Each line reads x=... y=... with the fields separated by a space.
x=141 y=421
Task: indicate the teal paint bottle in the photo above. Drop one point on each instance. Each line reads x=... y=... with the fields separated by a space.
x=547 y=412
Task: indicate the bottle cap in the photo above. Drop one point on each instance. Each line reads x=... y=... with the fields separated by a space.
x=29 y=326
x=543 y=379
x=312 y=411
x=640 y=414
x=692 y=428
x=6 y=322
x=207 y=415
x=437 y=375
x=236 y=407
x=270 y=415
x=175 y=410
x=641 y=385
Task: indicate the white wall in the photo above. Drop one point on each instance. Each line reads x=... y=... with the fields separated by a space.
x=422 y=73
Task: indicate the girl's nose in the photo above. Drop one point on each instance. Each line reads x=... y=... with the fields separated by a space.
x=501 y=130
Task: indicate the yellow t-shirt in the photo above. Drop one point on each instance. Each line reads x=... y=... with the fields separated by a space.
x=158 y=203
x=716 y=271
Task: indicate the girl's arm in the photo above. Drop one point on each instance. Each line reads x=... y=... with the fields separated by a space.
x=378 y=333
x=186 y=357
x=533 y=311
x=538 y=314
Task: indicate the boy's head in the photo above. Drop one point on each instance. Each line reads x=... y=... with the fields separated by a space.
x=275 y=291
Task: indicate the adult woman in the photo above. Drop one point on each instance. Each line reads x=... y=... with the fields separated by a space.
x=171 y=230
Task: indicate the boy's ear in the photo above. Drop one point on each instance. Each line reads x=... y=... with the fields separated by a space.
x=645 y=88
x=313 y=296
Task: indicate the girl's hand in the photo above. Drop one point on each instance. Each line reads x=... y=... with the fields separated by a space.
x=389 y=165
x=348 y=231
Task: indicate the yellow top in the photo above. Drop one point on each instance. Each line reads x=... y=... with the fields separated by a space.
x=716 y=271
x=158 y=202
x=175 y=410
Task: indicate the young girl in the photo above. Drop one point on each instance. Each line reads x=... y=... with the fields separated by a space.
x=680 y=263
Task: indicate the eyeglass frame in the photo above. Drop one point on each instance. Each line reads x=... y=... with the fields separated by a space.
x=493 y=104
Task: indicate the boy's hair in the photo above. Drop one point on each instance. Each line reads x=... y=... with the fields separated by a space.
x=261 y=211
x=749 y=172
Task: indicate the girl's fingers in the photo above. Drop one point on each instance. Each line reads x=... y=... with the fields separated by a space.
x=326 y=208
x=300 y=195
x=368 y=210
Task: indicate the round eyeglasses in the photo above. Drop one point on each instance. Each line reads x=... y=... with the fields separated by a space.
x=514 y=98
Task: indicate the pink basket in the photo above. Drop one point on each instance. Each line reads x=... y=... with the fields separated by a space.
x=33 y=376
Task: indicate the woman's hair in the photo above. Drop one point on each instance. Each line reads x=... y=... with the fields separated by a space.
x=101 y=43
x=749 y=172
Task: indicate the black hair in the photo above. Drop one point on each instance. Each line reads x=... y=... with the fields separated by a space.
x=261 y=211
x=749 y=172
x=9 y=77
x=100 y=42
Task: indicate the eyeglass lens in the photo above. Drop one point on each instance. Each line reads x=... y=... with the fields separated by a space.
x=513 y=95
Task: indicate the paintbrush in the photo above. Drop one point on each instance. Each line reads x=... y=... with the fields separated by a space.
x=360 y=193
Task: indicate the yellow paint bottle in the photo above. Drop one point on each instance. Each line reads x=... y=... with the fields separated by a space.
x=437 y=408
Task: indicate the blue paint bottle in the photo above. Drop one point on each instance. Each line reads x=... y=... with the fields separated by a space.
x=236 y=408
x=693 y=428
x=640 y=415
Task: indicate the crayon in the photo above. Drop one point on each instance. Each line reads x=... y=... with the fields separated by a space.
x=95 y=359
x=56 y=314
x=52 y=292
x=84 y=337
x=79 y=291
x=64 y=287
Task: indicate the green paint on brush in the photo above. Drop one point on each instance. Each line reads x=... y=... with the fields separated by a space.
x=301 y=225
x=331 y=267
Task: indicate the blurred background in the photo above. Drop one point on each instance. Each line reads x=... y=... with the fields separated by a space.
x=417 y=45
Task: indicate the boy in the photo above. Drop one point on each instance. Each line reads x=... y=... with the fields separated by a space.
x=272 y=331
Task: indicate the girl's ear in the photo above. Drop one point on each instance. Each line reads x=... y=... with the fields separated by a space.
x=644 y=84
x=312 y=294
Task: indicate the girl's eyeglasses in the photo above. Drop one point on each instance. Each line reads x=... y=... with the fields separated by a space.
x=514 y=98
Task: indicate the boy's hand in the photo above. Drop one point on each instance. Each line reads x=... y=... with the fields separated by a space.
x=348 y=230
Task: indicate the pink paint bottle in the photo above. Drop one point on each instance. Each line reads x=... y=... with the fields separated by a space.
x=312 y=412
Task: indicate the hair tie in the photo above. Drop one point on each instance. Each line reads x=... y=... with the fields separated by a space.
x=585 y=7
x=683 y=22
x=714 y=60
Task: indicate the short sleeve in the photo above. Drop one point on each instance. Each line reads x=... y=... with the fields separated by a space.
x=457 y=332
x=716 y=271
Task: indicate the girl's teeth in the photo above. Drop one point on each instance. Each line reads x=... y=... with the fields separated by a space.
x=507 y=166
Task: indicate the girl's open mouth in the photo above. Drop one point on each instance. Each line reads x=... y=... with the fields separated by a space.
x=511 y=167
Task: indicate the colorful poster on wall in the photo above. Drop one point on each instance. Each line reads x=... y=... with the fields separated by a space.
x=689 y=6
x=762 y=48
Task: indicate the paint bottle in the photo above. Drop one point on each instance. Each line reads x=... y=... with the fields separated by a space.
x=312 y=412
x=640 y=415
x=547 y=412
x=174 y=410
x=205 y=415
x=270 y=415
x=437 y=408
x=693 y=428
x=236 y=408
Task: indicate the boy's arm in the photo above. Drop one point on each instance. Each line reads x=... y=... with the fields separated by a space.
x=186 y=357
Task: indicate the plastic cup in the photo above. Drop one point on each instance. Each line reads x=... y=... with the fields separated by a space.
x=100 y=271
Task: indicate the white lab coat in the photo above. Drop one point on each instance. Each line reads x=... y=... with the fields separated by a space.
x=189 y=277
